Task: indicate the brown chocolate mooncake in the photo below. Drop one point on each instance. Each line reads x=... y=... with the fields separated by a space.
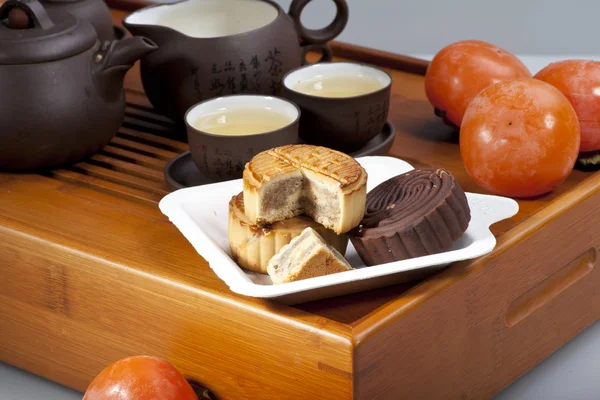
x=411 y=215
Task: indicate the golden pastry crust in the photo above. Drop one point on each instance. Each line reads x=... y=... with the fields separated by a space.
x=287 y=181
x=253 y=246
x=340 y=167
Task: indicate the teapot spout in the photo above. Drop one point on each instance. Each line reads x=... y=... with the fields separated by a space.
x=124 y=53
x=118 y=59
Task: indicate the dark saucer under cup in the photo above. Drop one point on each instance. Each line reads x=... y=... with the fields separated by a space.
x=181 y=172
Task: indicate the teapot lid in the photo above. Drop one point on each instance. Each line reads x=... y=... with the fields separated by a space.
x=29 y=34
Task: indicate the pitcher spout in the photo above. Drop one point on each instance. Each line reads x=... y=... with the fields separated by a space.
x=138 y=25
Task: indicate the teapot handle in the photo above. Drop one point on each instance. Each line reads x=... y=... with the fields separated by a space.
x=34 y=9
x=324 y=48
x=319 y=36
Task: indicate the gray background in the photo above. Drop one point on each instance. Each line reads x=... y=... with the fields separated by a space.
x=539 y=32
x=424 y=26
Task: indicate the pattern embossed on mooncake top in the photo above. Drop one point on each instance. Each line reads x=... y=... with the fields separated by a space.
x=280 y=160
x=415 y=214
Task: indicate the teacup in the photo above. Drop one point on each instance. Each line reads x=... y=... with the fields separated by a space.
x=226 y=132
x=212 y=48
x=344 y=105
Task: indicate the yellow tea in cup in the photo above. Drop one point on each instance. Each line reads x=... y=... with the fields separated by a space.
x=242 y=121
x=338 y=86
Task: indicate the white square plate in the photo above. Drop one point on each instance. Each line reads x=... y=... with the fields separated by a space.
x=201 y=214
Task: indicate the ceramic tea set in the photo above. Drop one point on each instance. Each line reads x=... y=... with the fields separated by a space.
x=234 y=71
x=62 y=89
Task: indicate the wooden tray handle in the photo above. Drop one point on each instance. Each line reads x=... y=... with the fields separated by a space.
x=538 y=292
x=551 y=288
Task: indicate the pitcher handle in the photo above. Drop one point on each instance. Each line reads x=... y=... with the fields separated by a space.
x=319 y=36
x=324 y=48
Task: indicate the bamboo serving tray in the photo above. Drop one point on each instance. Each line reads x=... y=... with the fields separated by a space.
x=91 y=271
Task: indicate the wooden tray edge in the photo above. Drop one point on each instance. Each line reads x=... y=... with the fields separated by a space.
x=376 y=321
x=380 y=58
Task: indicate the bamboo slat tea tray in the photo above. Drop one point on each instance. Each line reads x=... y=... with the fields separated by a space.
x=91 y=271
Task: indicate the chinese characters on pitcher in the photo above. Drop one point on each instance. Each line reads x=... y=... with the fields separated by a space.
x=246 y=75
x=197 y=87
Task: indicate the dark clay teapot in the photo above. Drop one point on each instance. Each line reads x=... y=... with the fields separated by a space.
x=96 y=12
x=62 y=92
x=211 y=48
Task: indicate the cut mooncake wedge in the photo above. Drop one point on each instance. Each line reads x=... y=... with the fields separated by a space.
x=306 y=256
x=253 y=246
x=411 y=215
x=284 y=182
